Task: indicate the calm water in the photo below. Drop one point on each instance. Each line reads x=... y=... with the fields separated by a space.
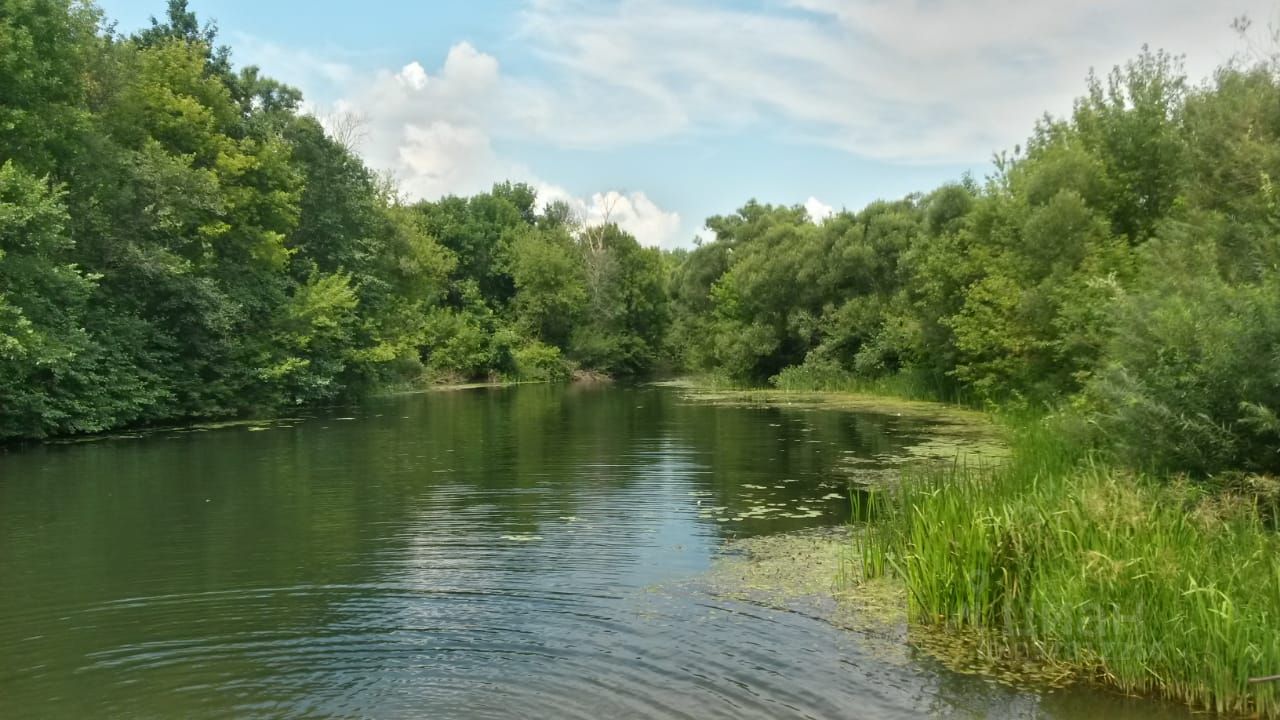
x=525 y=552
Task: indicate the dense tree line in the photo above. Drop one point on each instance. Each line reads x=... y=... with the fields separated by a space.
x=178 y=240
x=1124 y=265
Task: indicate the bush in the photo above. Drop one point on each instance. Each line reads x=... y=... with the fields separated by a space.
x=1193 y=379
x=814 y=374
x=539 y=361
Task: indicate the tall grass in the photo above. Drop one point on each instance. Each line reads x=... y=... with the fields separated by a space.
x=910 y=384
x=1154 y=587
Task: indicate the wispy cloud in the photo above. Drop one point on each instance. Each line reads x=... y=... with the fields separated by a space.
x=913 y=80
x=905 y=81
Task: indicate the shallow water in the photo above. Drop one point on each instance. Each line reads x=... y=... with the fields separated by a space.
x=493 y=553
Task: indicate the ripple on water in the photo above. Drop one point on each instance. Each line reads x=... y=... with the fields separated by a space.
x=486 y=554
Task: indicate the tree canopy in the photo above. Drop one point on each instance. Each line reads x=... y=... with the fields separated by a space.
x=179 y=240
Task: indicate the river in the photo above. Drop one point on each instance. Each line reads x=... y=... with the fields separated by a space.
x=527 y=552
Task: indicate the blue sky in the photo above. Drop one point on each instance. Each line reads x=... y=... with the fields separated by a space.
x=658 y=113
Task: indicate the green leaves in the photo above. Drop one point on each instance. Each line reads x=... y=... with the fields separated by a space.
x=43 y=302
x=1126 y=264
x=211 y=253
x=177 y=241
x=1190 y=383
x=550 y=279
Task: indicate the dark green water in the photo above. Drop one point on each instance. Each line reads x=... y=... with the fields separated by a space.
x=524 y=552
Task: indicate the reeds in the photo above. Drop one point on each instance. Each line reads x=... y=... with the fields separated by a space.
x=1156 y=587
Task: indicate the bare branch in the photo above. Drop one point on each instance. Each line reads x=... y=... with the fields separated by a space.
x=347 y=128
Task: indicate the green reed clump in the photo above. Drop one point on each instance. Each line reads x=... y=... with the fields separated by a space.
x=908 y=384
x=1154 y=587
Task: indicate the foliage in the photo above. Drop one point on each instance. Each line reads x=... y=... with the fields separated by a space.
x=538 y=361
x=1192 y=382
x=626 y=319
x=1123 y=263
x=177 y=240
x=181 y=241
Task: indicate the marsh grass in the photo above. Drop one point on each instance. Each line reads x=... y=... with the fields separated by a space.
x=908 y=384
x=1155 y=587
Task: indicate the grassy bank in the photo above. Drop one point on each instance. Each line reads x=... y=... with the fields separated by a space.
x=1153 y=585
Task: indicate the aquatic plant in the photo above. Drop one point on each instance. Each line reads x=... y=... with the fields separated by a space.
x=1150 y=585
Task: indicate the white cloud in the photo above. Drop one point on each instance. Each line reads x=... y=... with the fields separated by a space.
x=818 y=210
x=638 y=215
x=906 y=80
x=910 y=81
x=413 y=76
x=433 y=132
x=441 y=158
x=633 y=212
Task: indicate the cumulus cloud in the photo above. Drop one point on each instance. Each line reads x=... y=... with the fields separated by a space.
x=637 y=214
x=634 y=212
x=818 y=210
x=433 y=131
x=910 y=81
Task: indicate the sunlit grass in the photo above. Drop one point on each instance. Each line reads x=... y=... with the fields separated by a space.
x=911 y=384
x=1154 y=587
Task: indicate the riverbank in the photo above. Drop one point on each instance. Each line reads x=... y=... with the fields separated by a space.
x=955 y=433
x=818 y=573
x=279 y=418
x=1151 y=585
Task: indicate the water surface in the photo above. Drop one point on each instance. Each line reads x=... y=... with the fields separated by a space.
x=494 y=553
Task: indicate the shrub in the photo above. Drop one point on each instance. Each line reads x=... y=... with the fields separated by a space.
x=814 y=374
x=1193 y=379
x=539 y=361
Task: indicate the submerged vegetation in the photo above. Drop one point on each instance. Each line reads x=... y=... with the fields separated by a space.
x=1113 y=291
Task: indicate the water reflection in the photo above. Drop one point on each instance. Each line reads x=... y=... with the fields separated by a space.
x=491 y=553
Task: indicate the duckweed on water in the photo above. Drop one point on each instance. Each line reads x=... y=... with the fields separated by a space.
x=953 y=433
x=1043 y=566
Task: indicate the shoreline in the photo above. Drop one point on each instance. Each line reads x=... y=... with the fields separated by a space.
x=200 y=424
x=1058 y=569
